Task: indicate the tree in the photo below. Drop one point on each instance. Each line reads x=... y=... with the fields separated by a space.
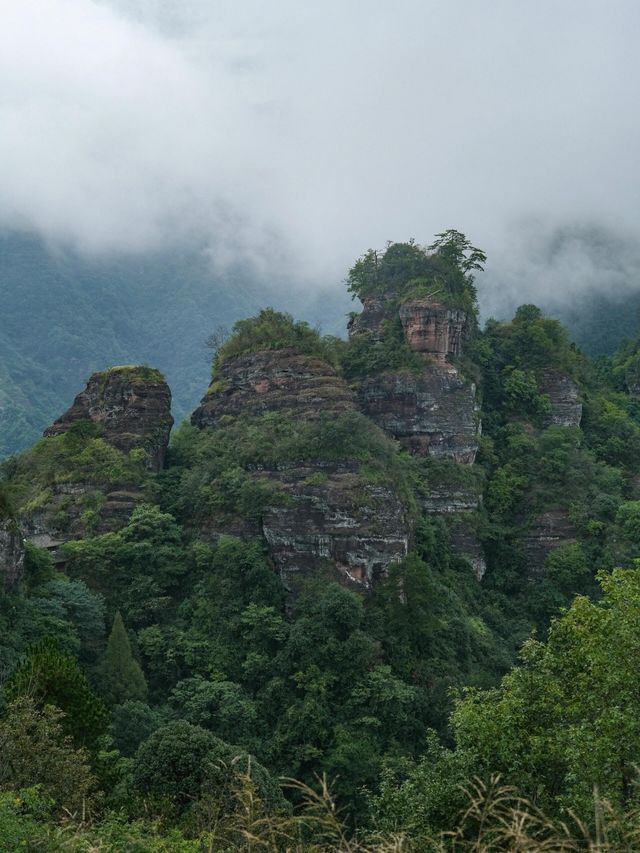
x=182 y=762
x=568 y=718
x=121 y=677
x=454 y=247
x=36 y=751
x=50 y=677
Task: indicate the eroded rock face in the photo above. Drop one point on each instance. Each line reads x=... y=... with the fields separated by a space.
x=566 y=407
x=327 y=516
x=133 y=407
x=332 y=517
x=78 y=510
x=11 y=554
x=434 y=413
x=273 y=380
x=434 y=329
x=546 y=533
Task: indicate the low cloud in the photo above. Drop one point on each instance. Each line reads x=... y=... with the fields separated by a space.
x=301 y=134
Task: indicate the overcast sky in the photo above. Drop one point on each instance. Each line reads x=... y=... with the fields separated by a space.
x=304 y=132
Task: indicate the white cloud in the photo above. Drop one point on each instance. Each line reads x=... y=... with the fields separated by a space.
x=321 y=127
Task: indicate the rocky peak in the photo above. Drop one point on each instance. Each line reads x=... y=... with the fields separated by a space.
x=433 y=328
x=273 y=380
x=131 y=404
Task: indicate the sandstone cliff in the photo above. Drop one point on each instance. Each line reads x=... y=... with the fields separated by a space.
x=94 y=492
x=11 y=553
x=131 y=405
x=273 y=380
x=566 y=407
x=434 y=410
x=328 y=516
x=548 y=531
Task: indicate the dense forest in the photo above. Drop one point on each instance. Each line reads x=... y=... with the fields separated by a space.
x=377 y=594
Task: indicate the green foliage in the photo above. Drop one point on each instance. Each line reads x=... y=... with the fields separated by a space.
x=367 y=354
x=182 y=762
x=50 y=677
x=132 y=723
x=407 y=270
x=119 y=674
x=271 y=330
x=552 y=727
x=36 y=751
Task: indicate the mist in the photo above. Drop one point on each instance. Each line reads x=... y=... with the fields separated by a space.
x=292 y=137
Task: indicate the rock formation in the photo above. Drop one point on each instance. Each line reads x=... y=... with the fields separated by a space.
x=434 y=329
x=566 y=407
x=329 y=516
x=11 y=553
x=434 y=411
x=546 y=532
x=433 y=414
x=132 y=405
x=273 y=380
x=358 y=528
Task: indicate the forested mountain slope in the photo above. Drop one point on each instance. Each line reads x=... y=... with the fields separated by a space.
x=331 y=570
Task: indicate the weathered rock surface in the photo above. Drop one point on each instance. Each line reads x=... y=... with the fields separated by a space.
x=375 y=310
x=566 y=407
x=434 y=413
x=434 y=329
x=11 y=554
x=273 y=380
x=457 y=504
x=133 y=407
x=328 y=515
x=465 y=542
x=77 y=510
x=548 y=531
x=331 y=516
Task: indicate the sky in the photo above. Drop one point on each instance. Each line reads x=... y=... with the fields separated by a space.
x=300 y=134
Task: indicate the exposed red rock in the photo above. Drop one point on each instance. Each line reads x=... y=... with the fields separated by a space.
x=132 y=405
x=273 y=380
x=433 y=329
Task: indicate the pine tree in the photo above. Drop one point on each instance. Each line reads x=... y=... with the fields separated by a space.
x=50 y=677
x=120 y=675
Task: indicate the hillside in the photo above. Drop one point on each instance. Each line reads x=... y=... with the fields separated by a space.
x=331 y=570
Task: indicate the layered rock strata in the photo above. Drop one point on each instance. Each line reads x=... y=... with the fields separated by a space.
x=11 y=554
x=566 y=406
x=328 y=516
x=434 y=329
x=357 y=528
x=270 y=381
x=132 y=405
x=434 y=411
x=546 y=532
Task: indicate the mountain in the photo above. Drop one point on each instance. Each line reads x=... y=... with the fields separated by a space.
x=332 y=569
x=63 y=316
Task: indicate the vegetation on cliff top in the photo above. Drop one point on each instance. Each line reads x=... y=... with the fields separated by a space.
x=214 y=683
